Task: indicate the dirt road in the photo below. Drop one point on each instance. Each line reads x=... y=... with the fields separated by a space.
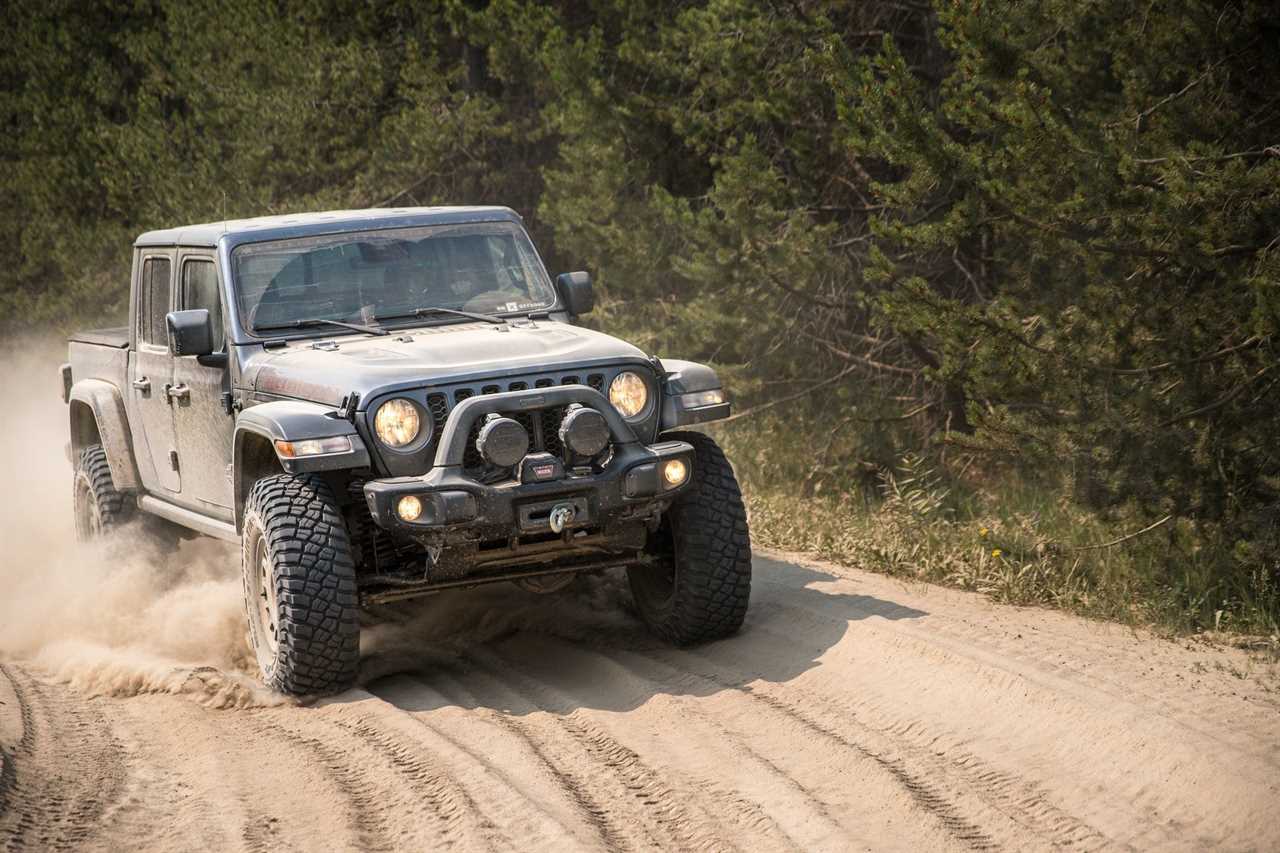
x=852 y=713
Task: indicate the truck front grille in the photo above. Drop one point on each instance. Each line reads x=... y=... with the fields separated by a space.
x=543 y=425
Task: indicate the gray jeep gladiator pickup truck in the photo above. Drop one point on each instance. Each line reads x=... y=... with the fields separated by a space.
x=382 y=404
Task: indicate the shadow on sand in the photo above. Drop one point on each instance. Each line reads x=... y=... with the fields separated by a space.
x=516 y=652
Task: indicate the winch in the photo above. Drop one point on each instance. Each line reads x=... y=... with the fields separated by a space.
x=561 y=516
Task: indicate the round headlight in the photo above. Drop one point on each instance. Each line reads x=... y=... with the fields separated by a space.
x=397 y=422
x=628 y=393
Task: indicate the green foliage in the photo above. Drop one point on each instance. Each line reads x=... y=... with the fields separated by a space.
x=1027 y=243
x=913 y=490
x=1082 y=217
x=1013 y=541
x=134 y=116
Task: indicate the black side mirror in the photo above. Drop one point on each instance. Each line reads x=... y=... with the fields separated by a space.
x=575 y=290
x=190 y=332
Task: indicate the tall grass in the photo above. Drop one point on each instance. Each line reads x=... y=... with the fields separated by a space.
x=1018 y=540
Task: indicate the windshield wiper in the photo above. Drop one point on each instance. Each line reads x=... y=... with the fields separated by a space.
x=426 y=312
x=322 y=321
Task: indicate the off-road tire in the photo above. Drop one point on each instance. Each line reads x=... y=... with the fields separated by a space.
x=295 y=525
x=99 y=507
x=700 y=589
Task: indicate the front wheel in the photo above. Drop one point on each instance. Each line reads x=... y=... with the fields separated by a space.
x=699 y=588
x=300 y=586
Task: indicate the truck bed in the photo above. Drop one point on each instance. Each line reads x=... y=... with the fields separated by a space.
x=116 y=337
x=99 y=354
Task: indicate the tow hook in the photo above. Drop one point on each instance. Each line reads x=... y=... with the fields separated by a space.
x=561 y=515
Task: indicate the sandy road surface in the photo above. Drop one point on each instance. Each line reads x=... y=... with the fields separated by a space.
x=853 y=713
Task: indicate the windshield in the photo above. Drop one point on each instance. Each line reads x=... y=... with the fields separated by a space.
x=359 y=276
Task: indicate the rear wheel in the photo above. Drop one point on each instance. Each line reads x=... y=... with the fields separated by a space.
x=300 y=586
x=700 y=587
x=98 y=506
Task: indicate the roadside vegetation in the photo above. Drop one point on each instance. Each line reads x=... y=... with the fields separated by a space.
x=998 y=282
x=1015 y=540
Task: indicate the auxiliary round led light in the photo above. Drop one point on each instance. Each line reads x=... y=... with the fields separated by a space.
x=674 y=473
x=584 y=431
x=629 y=394
x=409 y=508
x=502 y=441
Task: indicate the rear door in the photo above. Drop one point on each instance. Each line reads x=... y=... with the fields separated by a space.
x=204 y=428
x=151 y=374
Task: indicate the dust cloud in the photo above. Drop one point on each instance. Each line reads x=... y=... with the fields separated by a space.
x=121 y=617
x=125 y=617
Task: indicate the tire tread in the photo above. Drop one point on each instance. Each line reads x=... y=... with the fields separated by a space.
x=113 y=508
x=318 y=619
x=713 y=586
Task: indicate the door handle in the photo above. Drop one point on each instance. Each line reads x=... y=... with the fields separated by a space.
x=177 y=392
x=143 y=384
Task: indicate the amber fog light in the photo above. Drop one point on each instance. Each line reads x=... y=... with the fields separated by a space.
x=674 y=473
x=409 y=508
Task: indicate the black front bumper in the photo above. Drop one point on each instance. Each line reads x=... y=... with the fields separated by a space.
x=467 y=526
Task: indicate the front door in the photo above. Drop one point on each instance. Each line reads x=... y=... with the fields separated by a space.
x=151 y=375
x=204 y=428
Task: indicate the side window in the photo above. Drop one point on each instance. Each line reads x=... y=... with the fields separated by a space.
x=154 y=301
x=200 y=290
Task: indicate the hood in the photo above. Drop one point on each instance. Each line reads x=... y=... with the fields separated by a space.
x=327 y=369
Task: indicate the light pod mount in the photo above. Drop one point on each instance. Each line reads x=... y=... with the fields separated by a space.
x=584 y=431
x=502 y=442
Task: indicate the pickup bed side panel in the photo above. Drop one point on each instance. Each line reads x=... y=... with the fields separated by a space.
x=97 y=413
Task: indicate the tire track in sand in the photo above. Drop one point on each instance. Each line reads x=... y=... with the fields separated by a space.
x=456 y=812
x=812 y=821
x=928 y=797
x=380 y=803
x=1019 y=800
x=63 y=774
x=364 y=811
x=673 y=820
x=8 y=758
x=1023 y=800
x=590 y=810
x=1029 y=663
x=611 y=832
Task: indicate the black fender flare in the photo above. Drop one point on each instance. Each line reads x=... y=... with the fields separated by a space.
x=680 y=380
x=290 y=420
x=103 y=402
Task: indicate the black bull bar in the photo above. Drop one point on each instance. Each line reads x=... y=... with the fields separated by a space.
x=472 y=529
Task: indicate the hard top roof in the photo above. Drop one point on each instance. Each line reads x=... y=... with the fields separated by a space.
x=290 y=225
